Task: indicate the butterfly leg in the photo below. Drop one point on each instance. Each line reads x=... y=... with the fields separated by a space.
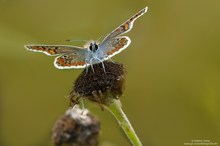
x=87 y=67
x=103 y=66
x=92 y=68
x=111 y=60
x=90 y=62
x=92 y=65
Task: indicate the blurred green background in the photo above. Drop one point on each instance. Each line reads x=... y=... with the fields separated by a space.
x=172 y=92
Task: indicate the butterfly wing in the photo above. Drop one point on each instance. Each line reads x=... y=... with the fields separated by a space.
x=69 y=56
x=126 y=26
x=114 y=46
x=52 y=50
x=71 y=60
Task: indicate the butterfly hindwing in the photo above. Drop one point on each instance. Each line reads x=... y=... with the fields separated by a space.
x=114 y=46
x=71 y=60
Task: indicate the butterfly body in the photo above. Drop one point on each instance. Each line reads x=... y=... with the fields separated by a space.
x=93 y=52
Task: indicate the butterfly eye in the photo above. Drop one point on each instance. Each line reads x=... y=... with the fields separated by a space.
x=96 y=47
x=90 y=48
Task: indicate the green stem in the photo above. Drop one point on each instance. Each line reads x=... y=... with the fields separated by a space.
x=116 y=110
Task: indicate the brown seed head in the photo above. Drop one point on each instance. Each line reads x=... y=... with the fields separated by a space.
x=100 y=85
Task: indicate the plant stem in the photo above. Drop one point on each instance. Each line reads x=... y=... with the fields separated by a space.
x=116 y=110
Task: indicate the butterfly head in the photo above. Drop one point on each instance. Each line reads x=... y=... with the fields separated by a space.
x=93 y=46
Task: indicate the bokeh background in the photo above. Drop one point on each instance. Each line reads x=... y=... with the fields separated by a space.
x=173 y=83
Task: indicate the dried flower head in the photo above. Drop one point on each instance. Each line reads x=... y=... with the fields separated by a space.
x=76 y=128
x=100 y=84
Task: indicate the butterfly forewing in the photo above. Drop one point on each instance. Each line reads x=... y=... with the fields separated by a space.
x=126 y=26
x=52 y=50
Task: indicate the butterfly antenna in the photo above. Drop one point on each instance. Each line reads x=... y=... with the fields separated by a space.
x=99 y=39
x=70 y=40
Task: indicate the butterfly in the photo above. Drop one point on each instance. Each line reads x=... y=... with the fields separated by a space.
x=93 y=52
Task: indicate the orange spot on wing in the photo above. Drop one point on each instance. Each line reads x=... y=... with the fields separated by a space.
x=126 y=26
x=67 y=64
x=80 y=63
x=60 y=60
x=52 y=51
